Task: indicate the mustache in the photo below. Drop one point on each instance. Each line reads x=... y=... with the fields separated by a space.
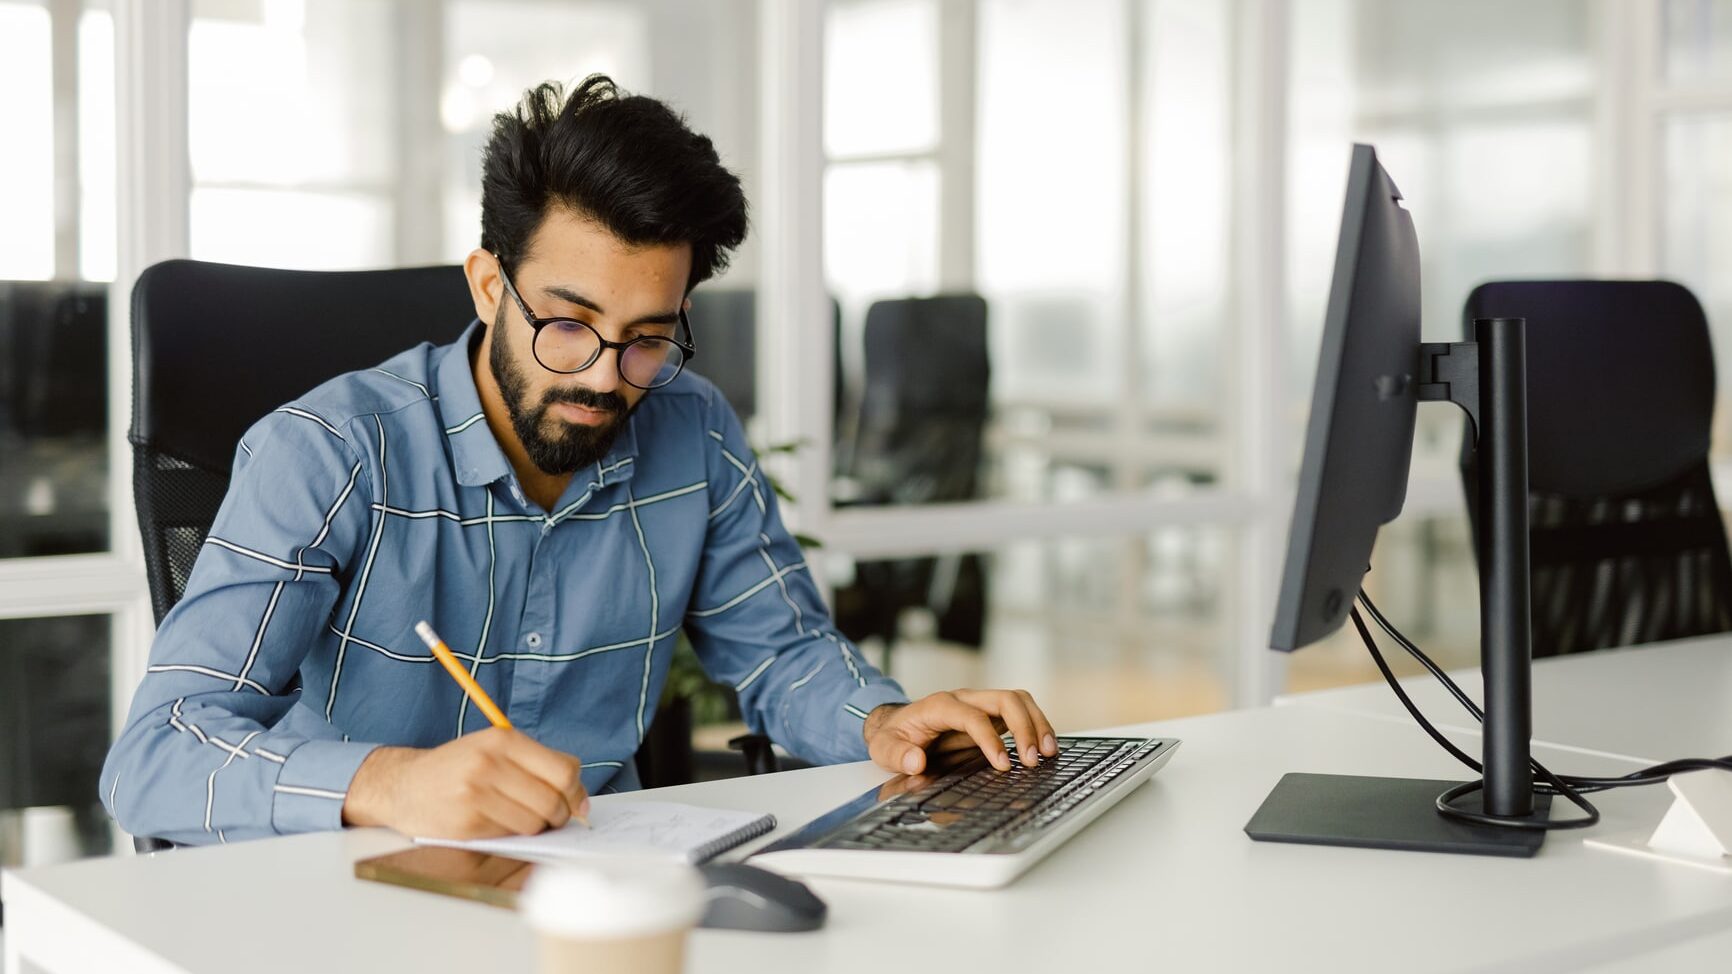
x=587 y=398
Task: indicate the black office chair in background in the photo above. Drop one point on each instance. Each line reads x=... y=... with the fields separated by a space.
x=1627 y=542
x=53 y=418
x=919 y=438
x=727 y=320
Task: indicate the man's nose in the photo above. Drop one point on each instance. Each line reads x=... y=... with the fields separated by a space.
x=604 y=375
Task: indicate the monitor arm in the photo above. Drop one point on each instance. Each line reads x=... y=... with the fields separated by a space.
x=1449 y=372
x=1487 y=378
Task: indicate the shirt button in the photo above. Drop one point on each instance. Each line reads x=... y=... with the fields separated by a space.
x=534 y=640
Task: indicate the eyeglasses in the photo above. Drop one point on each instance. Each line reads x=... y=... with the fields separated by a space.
x=566 y=345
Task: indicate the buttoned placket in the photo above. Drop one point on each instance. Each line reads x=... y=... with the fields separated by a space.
x=536 y=625
x=535 y=628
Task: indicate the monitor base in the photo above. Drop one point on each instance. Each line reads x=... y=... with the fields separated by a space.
x=1383 y=813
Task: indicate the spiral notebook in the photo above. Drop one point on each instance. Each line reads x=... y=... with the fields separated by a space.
x=684 y=832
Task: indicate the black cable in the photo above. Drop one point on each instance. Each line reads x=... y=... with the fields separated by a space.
x=1406 y=701
x=1646 y=776
x=1424 y=660
x=1445 y=801
x=1550 y=784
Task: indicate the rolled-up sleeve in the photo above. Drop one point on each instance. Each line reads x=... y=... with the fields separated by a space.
x=758 y=623
x=212 y=749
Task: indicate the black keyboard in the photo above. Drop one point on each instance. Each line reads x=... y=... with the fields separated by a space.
x=977 y=808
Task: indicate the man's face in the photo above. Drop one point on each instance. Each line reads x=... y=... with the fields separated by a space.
x=577 y=269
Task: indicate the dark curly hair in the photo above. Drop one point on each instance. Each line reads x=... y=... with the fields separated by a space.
x=627 y=161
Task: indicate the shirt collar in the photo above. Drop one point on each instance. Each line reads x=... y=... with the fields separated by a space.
x=476 y=457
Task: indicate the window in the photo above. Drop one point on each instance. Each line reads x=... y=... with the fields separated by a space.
x=290 y=120
x=57 y=245
x=26 y=75
x=883 y=188
x=1104 y=321
x=1482 y=113
x=1695 y=127
x=1698 y=41
x=1051 y=185
x=492 y=53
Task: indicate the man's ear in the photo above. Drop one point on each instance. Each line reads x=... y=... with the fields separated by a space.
x=486 y=287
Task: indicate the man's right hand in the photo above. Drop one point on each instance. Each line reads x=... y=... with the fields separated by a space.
x=490 y=783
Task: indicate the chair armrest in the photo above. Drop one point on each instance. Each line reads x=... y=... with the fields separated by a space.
x=760 y=756
x=145 y=843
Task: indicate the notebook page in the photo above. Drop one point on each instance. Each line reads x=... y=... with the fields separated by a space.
x=668 y=829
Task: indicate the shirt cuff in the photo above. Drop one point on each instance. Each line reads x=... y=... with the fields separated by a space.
x=861 y=703
x=309 y=793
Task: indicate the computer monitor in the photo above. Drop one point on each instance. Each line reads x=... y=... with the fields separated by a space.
x=1372 y=372
x=1359 y=439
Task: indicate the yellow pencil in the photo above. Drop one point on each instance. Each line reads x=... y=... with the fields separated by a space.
x=443 y=654
x=477 y=695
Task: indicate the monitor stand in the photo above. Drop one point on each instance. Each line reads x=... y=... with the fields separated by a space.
x=1382 y=813
x=1487 y=378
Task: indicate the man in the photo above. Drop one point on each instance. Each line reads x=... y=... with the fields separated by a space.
x=557 y=496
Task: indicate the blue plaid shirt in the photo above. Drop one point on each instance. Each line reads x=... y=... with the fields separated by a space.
x=380 y=499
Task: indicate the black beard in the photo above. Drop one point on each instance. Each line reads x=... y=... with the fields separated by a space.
x=570 y=447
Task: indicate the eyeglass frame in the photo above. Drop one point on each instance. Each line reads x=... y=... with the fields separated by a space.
x=536 y=324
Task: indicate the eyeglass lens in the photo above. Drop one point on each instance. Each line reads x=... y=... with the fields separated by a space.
x=568 y=346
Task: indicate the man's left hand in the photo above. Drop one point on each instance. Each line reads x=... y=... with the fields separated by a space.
x=901 y=736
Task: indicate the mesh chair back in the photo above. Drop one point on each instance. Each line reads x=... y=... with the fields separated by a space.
x=217 y=346
x=1627 y=540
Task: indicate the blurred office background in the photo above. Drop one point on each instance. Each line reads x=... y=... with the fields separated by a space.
x=1037 y=285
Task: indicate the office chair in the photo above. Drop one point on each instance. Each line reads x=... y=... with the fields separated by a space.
x=1627 y=542
x=53 y=416
x=919 y=438
x=217 y=346
x=728 y=321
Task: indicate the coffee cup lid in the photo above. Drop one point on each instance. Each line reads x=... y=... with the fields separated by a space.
x=623 y=896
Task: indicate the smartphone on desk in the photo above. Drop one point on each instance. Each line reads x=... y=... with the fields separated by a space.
x=466 y=873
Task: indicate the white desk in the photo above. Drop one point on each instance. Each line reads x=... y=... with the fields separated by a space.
x=1165 y=880
x=1708 y=953
x=1651 y=703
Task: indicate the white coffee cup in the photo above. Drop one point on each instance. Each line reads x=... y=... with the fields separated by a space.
x=626 y=915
